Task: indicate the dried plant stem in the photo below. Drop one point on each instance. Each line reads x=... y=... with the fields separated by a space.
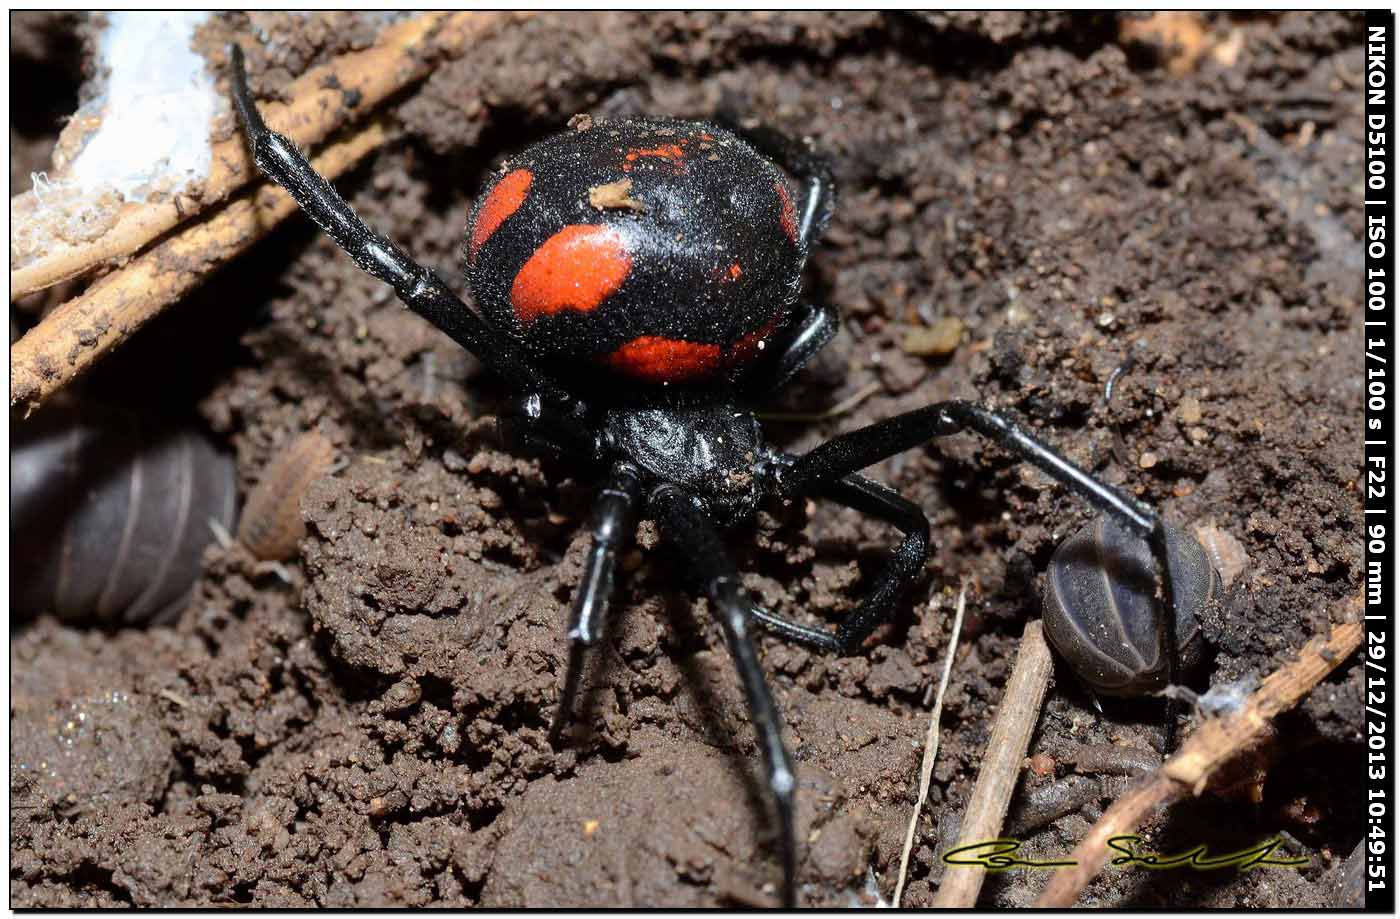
x=78 y=333
x=840 y=408
x=403 y=54
x=930 y=746
x=1001 y=765
x=1210 y=747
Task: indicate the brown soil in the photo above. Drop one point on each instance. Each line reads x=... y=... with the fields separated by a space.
x=374 y=732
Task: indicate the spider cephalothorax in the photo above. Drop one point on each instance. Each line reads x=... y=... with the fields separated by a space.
x=639 y=285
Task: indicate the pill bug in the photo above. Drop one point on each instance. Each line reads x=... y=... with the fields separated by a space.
x=110 y=513
x=1100 y=610
x=1225 y=551
x=271 y=524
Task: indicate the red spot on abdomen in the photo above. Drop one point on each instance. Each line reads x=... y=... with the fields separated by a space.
x=728 y=275
x=670 y=152
x=788 y=215
x=664 y=360
x=747 y=348
x=575 y=269
x=505 y=199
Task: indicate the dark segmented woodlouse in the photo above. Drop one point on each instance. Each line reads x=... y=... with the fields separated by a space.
x=111 y=513
x=271 y=525
x=1101 y=615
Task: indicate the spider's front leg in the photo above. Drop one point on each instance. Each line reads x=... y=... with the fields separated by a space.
x=614 y=520
x=419 y=288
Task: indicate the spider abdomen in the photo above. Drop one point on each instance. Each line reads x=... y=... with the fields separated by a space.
x=663 y=251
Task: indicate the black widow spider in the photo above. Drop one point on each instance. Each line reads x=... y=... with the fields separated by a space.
x=653 y=267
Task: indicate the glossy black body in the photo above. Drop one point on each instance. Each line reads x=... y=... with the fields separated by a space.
x=1101 y=614
x=713 y=451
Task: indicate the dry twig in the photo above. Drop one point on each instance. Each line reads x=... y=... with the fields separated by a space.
x=405 y=53
x=1212 y=746
x=76 y=334
x=1001 y=765
x=840 y=408
x=930 y=746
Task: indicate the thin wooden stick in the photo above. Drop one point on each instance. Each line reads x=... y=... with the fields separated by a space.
x=1208 y=749
x=75 y=335
x=840 y=408
x=1001 y=765
x=404 y=53
x=930 y=746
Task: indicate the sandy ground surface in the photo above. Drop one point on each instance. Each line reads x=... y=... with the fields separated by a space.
x=374 y=732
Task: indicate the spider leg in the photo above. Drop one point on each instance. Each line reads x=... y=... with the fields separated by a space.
x=808 y=333
x=880 y=501
x=614 y=519
x=683 y=521
x=798 y=343
x=419 y=288
x=858 y=449
x=532 y=425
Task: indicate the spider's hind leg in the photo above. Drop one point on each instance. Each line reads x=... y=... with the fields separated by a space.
x=907 y=559
x=806 y=334
x=803 y=163
x=684 y=523
x=813 y=326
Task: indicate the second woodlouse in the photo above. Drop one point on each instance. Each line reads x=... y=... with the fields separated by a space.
x=271 y=524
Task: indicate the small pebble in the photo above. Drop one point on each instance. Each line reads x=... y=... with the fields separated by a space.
x=614 y=196
x=450 y=740
x=402 y=694
x=935 y=340
x=1189 y=410
x=1147 y=460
